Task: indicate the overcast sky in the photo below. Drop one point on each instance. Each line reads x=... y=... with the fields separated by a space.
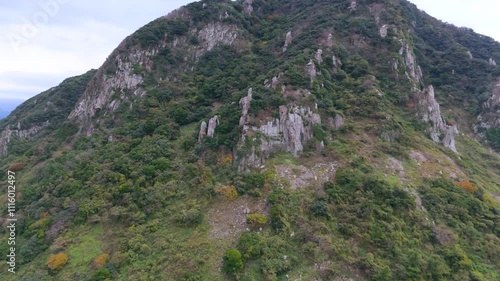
x=42 y=42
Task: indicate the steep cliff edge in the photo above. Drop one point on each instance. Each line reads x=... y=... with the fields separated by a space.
x=44 y=112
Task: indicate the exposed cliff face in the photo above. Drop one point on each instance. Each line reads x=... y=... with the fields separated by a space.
x=119 y=81
x=28 y=133
x=490 y=115
x=428 y=109
x=103 y=87
x=215 y=34
x=288 y=133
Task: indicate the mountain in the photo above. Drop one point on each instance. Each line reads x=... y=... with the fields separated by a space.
x=265 y=140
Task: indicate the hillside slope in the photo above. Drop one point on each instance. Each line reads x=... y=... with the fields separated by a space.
x=265 y=140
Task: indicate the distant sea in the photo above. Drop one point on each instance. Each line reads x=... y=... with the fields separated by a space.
x=8 y=105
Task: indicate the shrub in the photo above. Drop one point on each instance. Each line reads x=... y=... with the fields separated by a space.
x=251 y=181
x=251 y=244
x=256 y=220
x=279 y=219
x=233 y=261
x=493 y=137
x=57 y=262
x=466 y=185
x=319 y=208
x=102 y=274
x=16 y=167
x=228 y=192
x=101 y=260
x=192 y=217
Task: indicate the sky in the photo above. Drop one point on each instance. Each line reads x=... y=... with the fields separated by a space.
x=42 y=42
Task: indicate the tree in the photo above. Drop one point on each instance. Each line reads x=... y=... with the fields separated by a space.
x=233 y=261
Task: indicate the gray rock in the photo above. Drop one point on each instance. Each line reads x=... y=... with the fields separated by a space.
x=429 y=111
x=29 y=133
x=319 y=56
x=212 y=124
x=288 y=40
x=203 y=131
x=245 y=103
x=287 y=133
x=215 y=34
x=383 y=30
x=329 y=41
x=311 y=70
x=490 y=114
x=337 y=122
x=353 y=6
x=247 y=6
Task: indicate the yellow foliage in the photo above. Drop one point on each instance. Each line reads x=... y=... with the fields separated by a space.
x=228 y=159
x=466 y=185
x=57 y=262
x=489 y=200
x=206 y=176
x=101 y=260
x=229 y=192
x=256 y=220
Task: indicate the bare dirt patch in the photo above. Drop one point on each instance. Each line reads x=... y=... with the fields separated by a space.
x=228 y=219
x=301 y=176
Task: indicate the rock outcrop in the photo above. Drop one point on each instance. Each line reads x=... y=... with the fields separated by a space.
x=429 y=111
x=99 y=93
x=117 y=81
x=245 y=104
x=427 y=107
x=319 y=56
x=288 y=40
x=490 y=115
x=413 y=70
x=28 y=133
x=337 y=122
x=383 y=30
x=353 y=6
x=248 y=6
x=203 y=131
x=336 y=61
x=215 y=34
x=288 y=133
x=212 y=124
x=208 y=130
x=311 y=70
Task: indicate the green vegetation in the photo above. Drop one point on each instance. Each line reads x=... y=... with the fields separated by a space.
x=493 y=137
x=233 y=261
x=141 y=197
